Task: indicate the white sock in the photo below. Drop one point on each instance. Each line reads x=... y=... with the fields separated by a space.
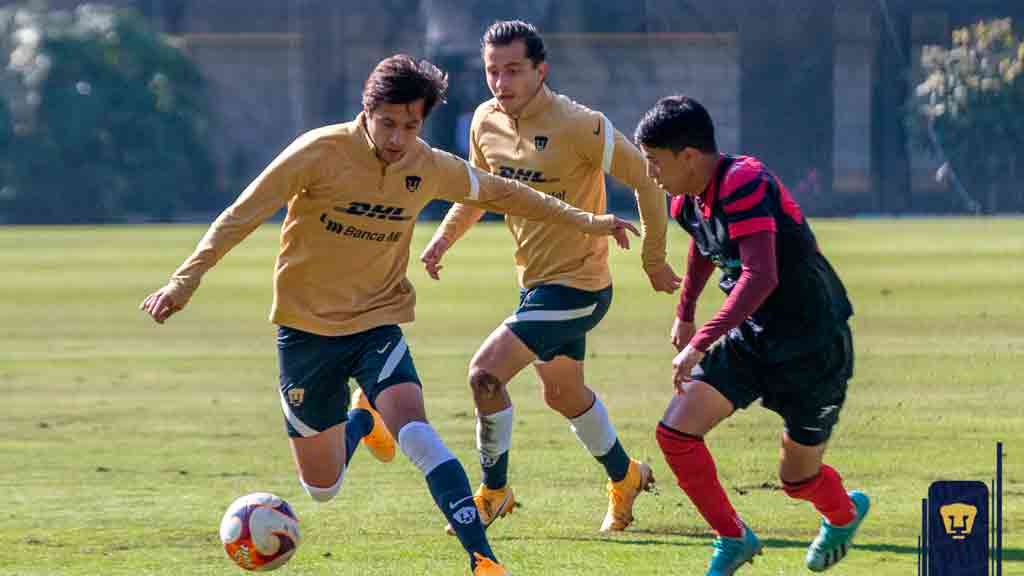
x=594 y=429
x=493 y=435
x=323 y=494
x=421 y=444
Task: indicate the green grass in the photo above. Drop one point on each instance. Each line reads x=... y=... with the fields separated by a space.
x=122 y=442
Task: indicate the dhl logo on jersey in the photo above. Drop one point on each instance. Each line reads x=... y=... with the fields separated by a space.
x=524 y=174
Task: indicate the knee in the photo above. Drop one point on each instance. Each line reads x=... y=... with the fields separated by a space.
x=483 y=383
x=799 y=465
x=323 y=494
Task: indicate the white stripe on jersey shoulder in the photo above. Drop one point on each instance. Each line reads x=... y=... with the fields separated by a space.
x=551 y=315
x=300 y=426
x=609 y=144
x=474 y=182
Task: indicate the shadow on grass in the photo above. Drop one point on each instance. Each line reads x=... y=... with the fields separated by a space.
x=703 y=539
x=1009 y=554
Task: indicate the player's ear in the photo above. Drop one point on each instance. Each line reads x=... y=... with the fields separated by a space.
x=543 y=69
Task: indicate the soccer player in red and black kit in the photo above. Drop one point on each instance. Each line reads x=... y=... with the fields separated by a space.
x=783 y=329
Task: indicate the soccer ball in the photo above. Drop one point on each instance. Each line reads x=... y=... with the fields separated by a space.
x=260 y=531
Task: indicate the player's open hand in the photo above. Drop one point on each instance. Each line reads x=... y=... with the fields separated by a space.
x=682 y=332
x=160 y=305
x=431 y=256
x=619 y=228
x=664 y=279
x=682 y=366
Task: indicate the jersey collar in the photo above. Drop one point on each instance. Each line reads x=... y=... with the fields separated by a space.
x=539 y=103
x=707 y=198
x=367 y=149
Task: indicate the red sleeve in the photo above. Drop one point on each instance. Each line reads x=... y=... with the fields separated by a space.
x=745 y=199
x=757 y=281
x=698 y=270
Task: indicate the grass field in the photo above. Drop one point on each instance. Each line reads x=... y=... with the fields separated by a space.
x=122 y=442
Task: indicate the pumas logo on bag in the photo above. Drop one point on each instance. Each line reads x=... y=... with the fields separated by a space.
x=540 y=142
x=958 y=519
x=412 y=183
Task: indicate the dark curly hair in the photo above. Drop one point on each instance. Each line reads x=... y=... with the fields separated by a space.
x=401 y=79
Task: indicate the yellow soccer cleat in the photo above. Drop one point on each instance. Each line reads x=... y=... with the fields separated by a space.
x=490 y=505
x=487 y=567
x=379 y=441
x=621 y=495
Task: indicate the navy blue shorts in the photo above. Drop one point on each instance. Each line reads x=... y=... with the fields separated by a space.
x=553 y=320
x=315 y=370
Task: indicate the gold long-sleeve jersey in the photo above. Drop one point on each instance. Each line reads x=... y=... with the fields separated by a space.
x=345 y=239
x=563 y=149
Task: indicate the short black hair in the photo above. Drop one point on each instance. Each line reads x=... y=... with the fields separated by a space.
x=505 y=32
x=401 y=79
x=677 y=122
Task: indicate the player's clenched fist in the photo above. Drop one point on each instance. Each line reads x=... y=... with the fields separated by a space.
x=160 y=304
x=664 y=279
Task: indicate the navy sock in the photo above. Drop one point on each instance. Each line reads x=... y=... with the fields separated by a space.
x=616 y=462
x=359 y=424
x=449 y=486
x=496 y=475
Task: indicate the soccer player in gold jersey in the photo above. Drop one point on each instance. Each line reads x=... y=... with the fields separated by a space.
x=353 y=192
x=532 y=134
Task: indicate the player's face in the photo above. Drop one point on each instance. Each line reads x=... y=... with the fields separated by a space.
x=512 y=77
x=394 y=128
x=675 y=172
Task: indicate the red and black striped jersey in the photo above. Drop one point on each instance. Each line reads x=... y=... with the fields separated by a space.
x=744 y=198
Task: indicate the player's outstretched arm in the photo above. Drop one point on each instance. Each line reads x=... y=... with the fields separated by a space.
x=294 y=169
x=629 y=167
x=461 y=182
x=603 y=146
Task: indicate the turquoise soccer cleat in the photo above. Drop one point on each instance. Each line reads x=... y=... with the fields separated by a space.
x=731 y=553
x=833 y=542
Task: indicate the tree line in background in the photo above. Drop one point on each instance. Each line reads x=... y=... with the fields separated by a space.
x=104 y=120
x=101 y=120
x=970 y=109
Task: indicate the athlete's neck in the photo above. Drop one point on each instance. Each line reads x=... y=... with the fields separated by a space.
x=705 y=170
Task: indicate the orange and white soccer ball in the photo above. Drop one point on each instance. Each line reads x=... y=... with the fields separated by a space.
x=260 y=531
